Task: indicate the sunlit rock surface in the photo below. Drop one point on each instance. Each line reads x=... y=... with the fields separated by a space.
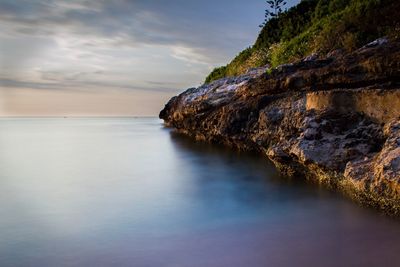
x=332 y=119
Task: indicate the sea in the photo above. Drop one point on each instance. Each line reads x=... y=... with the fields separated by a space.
x=131 y=192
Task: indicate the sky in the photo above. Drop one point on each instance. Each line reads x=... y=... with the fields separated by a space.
x=115 y=57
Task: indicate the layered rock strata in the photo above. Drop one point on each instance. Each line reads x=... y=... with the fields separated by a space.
x=333 y=119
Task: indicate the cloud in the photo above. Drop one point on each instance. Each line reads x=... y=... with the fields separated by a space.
x=190 y=24
x=143 y=45
x=60 y=82
x=189 y=54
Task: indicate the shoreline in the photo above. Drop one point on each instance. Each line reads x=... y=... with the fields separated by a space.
x=335 y=121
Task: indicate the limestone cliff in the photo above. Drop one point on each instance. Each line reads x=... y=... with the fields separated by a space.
x=332 y=119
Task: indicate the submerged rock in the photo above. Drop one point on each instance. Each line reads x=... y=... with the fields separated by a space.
x=334 y=120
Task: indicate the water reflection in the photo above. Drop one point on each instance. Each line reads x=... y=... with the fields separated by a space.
x=129 y=192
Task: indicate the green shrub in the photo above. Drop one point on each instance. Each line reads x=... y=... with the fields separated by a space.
x=216 y=74
x=316 y=26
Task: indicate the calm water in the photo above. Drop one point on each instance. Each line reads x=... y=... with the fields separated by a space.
x=128 y=192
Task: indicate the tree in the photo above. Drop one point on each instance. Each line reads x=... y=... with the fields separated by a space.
x=275 y=8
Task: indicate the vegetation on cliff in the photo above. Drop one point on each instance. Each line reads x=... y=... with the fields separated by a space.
x=316 y=26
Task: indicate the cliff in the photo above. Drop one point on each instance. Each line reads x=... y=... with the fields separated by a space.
x=333 y=119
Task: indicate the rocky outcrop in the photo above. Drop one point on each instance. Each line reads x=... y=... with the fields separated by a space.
x=335 y=120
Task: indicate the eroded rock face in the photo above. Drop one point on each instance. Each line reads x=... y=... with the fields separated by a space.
x=379 y=173
x=380 y=105
x=334 y=120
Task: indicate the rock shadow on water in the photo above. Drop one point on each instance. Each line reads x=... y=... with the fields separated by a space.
x=246 y=168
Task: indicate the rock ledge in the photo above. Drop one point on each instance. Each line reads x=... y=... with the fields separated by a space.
x=334 y=120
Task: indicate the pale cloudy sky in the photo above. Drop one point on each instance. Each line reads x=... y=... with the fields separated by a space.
x=114 y=57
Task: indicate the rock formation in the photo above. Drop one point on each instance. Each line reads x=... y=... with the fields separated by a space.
x=332 y=119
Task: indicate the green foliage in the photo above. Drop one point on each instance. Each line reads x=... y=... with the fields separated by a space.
x=238 y=60
x=232 y=69
x=288 y=51
x=216 y=74
x=316 y=26
x=274 y=10
x=288 y=25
